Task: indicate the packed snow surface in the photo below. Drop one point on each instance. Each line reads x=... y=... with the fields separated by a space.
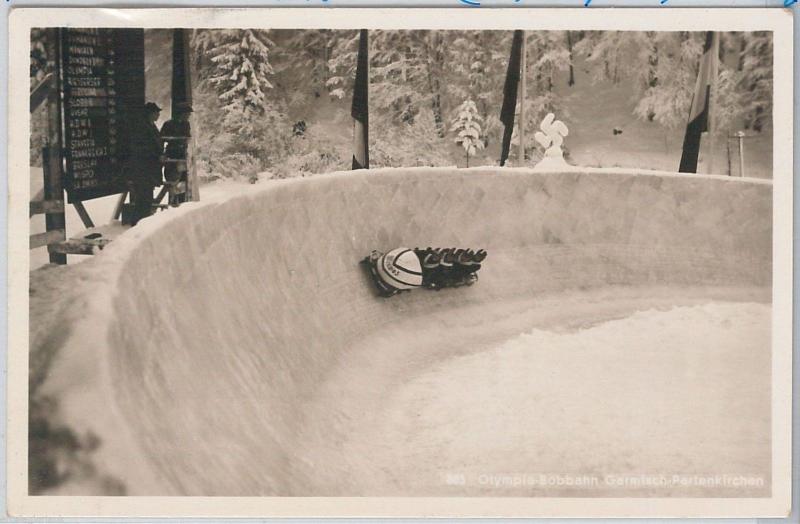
x=660 y=392
x=235 y=347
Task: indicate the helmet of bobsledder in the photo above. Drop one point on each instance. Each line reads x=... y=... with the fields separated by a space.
x=400 y=268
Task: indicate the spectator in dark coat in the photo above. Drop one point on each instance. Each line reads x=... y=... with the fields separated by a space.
x=176 y=133
x=145 y=161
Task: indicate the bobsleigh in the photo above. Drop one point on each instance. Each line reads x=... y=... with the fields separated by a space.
x=404 y=269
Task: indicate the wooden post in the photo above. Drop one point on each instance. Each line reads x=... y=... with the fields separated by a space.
x=182 y=92
x=711 y=148
x=523 y=84
x=740 y=135
x=192 y=183
x=728 y=148
x=51 y=155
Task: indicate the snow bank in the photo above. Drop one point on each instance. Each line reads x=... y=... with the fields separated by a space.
x=209 y=328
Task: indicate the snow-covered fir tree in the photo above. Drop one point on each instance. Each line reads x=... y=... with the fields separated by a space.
x=253 y=86
x=245 y=131
x=342 y=65
x=300 y=60
x=757 y=80
x=467 y=126
x=668 y=99
x=407 y=72
x=608 y=53
x=646 y=72
x=663 y=68
x=728 y=106
x=476 y=70
x=547 y=56
x=241 y=68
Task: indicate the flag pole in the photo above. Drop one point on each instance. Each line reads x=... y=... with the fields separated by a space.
x=510 y=95
x=522 y=99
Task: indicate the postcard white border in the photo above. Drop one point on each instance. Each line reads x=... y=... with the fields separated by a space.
x=21 y=20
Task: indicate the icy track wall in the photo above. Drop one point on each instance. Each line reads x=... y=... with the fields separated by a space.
x=226 y=316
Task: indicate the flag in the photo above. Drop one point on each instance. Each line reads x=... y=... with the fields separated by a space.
x=510 y=94
x=360 y=109
x=701 y=104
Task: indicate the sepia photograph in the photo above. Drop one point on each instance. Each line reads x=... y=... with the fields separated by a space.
x=401 y=255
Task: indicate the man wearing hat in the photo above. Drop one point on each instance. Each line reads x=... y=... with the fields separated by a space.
x=146 y=157
x=176 y=133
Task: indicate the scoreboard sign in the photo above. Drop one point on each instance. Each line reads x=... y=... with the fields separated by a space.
x=102 y=80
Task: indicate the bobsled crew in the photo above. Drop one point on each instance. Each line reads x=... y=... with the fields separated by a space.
x=404 y=269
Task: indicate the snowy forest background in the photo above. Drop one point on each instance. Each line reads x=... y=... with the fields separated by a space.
x=624 y=95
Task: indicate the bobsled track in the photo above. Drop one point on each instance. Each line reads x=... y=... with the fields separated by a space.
x=237 y=348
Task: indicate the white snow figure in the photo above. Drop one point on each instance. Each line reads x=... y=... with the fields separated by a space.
x=551 y=137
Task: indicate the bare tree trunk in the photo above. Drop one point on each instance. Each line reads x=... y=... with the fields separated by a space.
x=483 y=107
x=652 y=80
x=436 y=104
x=327 y=56
x=742 y=47
x=571 y=81
x=434 y=60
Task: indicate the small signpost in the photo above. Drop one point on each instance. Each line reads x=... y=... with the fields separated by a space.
x=739 y=137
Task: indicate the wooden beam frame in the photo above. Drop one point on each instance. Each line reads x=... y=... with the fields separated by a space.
x=41 y=207
x=160 y=196
x=85 y=218
x=48 y=237
x=118 y=206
